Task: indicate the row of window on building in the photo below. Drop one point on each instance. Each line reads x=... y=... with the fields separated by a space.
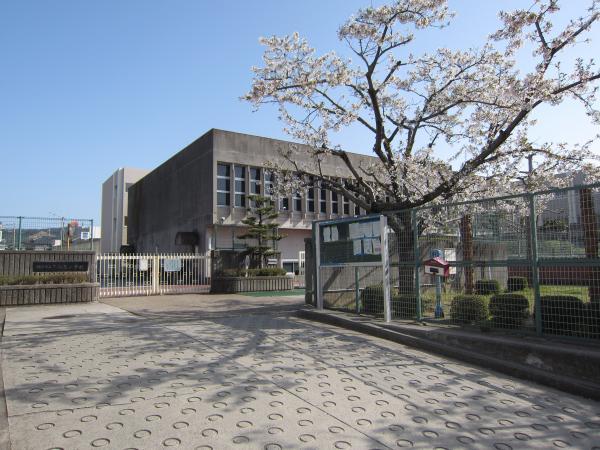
x=316 y=198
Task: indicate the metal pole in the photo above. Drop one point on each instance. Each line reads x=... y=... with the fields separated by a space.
x=417 y=257
x=385 y=263
x=317 y=277
x=62 y=236
x=356 y=290
x=20 y=230
x=535 y=264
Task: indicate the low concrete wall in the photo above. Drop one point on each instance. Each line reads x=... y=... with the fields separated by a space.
x=230 y=285
x=40 y=294
x=16 y=263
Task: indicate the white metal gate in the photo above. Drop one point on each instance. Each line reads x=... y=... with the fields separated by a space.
x=152 y=274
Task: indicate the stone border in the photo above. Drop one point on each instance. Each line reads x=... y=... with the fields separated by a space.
x=39 y=294
x=232 y=285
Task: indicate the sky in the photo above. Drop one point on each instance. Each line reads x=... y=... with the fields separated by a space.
x=87 y=87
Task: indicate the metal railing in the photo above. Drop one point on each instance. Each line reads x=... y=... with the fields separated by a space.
x=46 y=233
x=524 y=262
x=152 y=274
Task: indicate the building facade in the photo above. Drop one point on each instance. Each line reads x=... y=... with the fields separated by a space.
x=114 y=218
x=203 y=190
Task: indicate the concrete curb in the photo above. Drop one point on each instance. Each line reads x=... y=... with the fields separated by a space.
x=4 y=435
x=567 y=384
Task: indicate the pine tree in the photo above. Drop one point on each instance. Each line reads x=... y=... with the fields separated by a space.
x=261 y=228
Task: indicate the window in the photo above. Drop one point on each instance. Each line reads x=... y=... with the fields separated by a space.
x=356 y=210
x=284 y=204
x=334 y=202
x=254 y=180
x=323 y=200
x=310 y=196
x=297 y=201
x=240 y=186
x=346 y=204
x=223 y=184
x=269 y=180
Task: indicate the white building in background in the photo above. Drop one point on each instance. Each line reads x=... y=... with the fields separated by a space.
x=114 y=207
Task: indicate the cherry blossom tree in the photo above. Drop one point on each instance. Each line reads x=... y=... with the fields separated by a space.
x=447 y=125
x=474 y=106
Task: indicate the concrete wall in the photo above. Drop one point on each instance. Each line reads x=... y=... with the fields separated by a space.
x=17 y=263
x=114 y=207
x=174 y=197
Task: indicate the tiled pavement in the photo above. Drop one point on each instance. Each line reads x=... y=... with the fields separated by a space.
x=95 y=376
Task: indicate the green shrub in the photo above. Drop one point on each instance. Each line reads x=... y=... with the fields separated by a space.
x=508 y=310
x=371 y=299
x=469 y=308
x=564 y=314
x=403 y=306
x=487 y=287
x=592 y=311
x=267 y=272
x=264 y=272
x=516 y=284
x=54 y=278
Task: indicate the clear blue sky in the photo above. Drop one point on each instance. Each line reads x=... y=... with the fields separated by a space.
x=90 y=86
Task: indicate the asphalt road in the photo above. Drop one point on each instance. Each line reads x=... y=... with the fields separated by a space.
x=241 y=372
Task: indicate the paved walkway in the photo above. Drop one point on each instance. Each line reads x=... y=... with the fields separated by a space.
x=195 y=376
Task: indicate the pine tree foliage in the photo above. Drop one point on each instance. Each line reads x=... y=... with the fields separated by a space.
x=261 y=234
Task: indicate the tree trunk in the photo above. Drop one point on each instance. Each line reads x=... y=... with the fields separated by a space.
x=590 y=239
x=466 y=235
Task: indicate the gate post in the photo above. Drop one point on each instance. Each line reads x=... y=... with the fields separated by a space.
x=417 y=255
x=317 y=277
x=385 y=263
x=534 y=264
x=155 y=273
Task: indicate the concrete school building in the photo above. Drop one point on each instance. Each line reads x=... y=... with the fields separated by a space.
x=196 y=200
x=114 y=219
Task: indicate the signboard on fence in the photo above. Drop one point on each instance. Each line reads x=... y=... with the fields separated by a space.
x=172 y=265
x=356 y=240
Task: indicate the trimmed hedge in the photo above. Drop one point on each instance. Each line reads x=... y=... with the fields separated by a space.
x=57 y=278
x=516 y=284
x=509 y=310
x=487 y=287
x=264 y=272
x=469 y=308
x=564 y=314
x=403 y=306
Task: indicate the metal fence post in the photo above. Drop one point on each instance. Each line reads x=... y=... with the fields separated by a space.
x=356 y=290
x=417 y=256
x=20 y=235
x=317 y=277
x=155 y=273
x=535 y=264
x=385 y=263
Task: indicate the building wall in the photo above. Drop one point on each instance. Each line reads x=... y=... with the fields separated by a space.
x=181 y=195
x=114 y=207
x=174 y=197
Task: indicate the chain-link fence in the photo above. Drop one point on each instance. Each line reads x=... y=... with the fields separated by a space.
x=46 y=233
x=525 y=262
